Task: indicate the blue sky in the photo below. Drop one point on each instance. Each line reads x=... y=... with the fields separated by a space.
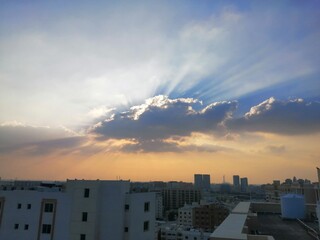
x=82 y=70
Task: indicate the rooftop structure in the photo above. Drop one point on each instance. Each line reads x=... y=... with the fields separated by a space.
x=231 y=228
x=263 y=224
x=242 y=208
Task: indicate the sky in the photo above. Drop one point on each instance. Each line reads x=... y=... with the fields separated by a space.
x=159 y=90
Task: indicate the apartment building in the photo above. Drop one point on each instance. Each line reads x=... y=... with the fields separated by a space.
x=79 y=210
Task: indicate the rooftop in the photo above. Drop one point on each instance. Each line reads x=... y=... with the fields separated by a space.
x=231 y=228
x=271 y=224
x=242 y=208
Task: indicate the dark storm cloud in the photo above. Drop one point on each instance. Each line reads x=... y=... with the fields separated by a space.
x=161 y=118
x=280 y=117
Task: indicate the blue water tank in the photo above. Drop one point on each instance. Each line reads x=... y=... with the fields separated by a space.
x=293 y=206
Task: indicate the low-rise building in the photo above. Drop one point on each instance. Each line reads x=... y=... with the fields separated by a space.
x=173 y=231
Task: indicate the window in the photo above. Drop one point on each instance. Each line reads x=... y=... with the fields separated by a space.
x=46 y=228
x=126 y=207
x=29 y=206
x=146 y=226
x=16 y=226
x=126 y=229
x=26 y=226
x=19 y=206
x=146 y=206
x=82 y=237
x=84 y=216
x=48 y=207
x=86 y=192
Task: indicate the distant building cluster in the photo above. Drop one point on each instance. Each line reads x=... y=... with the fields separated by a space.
x=295 y=186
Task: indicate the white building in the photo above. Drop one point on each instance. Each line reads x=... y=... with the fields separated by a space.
x=185 y=215
x=33 y=215
x=86 y=210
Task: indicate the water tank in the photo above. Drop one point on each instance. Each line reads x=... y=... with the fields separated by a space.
x=293 y=206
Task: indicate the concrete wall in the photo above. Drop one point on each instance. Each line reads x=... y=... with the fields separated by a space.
x=138 y=215
x=33 y=217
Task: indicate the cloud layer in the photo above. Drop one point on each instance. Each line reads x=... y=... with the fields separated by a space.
x=161 y=117
x=163 y=124
x=280 y=117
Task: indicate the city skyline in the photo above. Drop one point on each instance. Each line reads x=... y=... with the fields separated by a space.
x=150 y=90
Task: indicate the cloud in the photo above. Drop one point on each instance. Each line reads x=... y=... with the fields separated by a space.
x=281 y=117
x=16 y=136
x=275 y=149
x=161 y=117
x=145 y=146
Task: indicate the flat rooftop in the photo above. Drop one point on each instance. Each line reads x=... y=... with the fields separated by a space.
x=231 y=227
x=242 y=208
x=273 y=224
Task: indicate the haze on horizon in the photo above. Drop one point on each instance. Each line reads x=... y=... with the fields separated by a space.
x=159 y=90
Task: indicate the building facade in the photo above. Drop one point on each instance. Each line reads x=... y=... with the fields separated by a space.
x=244 y=184
x=174 y=198
x=80 y=210
x=202 y=181
x=209 y=216
x=236 y=183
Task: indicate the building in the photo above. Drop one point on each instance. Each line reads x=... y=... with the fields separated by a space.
x=249 y=220
x=244 y=184
x=276 y=190
x=206 y=183
x=236 y=183
x=185 y=215
x=79 y=210
x=318 y=213
x=171 y=231
x=209 y=216
x=198 y=181
x=34 y=215
x=174 y=198
x=202 y=181
x=159 y=205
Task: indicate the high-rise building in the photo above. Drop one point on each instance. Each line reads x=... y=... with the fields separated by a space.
x=244 y=184
x=202 y=181
x=236 y=183
x=206 y=181
x=198 y=181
